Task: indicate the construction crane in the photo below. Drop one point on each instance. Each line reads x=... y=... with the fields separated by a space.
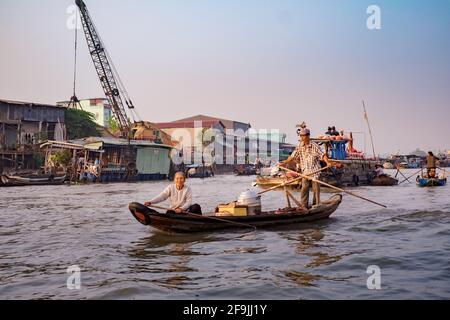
x=111 y=83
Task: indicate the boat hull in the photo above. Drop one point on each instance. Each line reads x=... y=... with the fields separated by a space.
x=176 y=223
x=383 y=181
x=424 y=182
x=17 y=181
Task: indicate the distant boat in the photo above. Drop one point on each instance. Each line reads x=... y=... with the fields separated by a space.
x=384 y=180
x=15 y=180
x=431 y=182
x=388 y=165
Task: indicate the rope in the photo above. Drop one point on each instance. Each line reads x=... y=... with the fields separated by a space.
x=75 y=54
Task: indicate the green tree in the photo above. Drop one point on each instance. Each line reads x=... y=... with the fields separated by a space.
x=62 y=158
x=80 y=124
x=113 y=126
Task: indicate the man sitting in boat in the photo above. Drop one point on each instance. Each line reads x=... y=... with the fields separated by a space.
x=308 y=154
x=180 y=196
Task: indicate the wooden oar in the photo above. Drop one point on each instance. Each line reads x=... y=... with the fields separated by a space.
x=398 y=171
x=208 y=217
x=286 y=183
x=288 y=201
x=293 y=198
x=333 y=187
x=410 y=176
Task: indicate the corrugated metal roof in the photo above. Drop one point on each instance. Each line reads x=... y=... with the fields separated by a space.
x=31 y=104
x=187 y=124
x=124 y=142
x=62 y=144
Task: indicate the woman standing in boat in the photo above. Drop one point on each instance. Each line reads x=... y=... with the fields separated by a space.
x=180 y=196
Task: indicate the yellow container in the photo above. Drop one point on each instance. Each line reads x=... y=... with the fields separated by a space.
x=232 y=209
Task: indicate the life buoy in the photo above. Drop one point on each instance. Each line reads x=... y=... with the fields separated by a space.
x=131 y=166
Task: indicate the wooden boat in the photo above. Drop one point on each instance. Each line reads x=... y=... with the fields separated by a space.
x=182 y=223
x=388 y=165
x=245 y=170
x=431 y=182
x=384 y=180
x=15 y=180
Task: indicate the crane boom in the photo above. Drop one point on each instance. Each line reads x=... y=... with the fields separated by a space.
x=106 y=72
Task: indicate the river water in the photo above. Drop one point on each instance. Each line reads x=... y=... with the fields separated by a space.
x=45 y=230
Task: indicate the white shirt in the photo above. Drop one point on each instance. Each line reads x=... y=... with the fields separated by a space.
x=379 y=171
x=178 y=198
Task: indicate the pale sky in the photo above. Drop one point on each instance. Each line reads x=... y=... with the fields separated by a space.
x=271 y=63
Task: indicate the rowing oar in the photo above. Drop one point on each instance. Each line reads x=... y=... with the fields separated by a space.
x=286 y=183
x=410 y=176
x=208 y=217
x=333 y=187
x=398 y=171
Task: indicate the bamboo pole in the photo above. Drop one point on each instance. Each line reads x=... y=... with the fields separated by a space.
x=336 y=188
x=412 y=175
x=286 y=183
x=398 y=171
x=288 y=201
x=298 y=203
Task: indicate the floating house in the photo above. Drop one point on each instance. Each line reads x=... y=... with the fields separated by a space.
x=151 y=160
x=113 y=160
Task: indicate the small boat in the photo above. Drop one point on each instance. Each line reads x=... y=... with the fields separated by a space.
x=388 y=165
x=245 y=170
x=15 y=180
x=384 y=180
x=431 y=182
x=199 y=171
x=190 y=223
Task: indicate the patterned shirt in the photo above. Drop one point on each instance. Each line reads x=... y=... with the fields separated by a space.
x=308 y=156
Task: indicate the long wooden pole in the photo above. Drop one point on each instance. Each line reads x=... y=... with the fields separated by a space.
x=286 y=183
x=333 y=187
x=398 y=171
x=293 y=198
x=411 y=176
x=288 y=201
x=370 y=130
x=207 y=217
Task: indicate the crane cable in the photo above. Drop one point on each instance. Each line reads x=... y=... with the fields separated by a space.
x=74 y=98
x=119 y=83
x=75 y=53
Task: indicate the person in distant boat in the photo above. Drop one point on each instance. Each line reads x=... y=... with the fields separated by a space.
x=180 y=196
x=258 y=163
x=432 y=173
x=379 y=170
x=308 y=154
x=431 y=162
x=334 y=132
